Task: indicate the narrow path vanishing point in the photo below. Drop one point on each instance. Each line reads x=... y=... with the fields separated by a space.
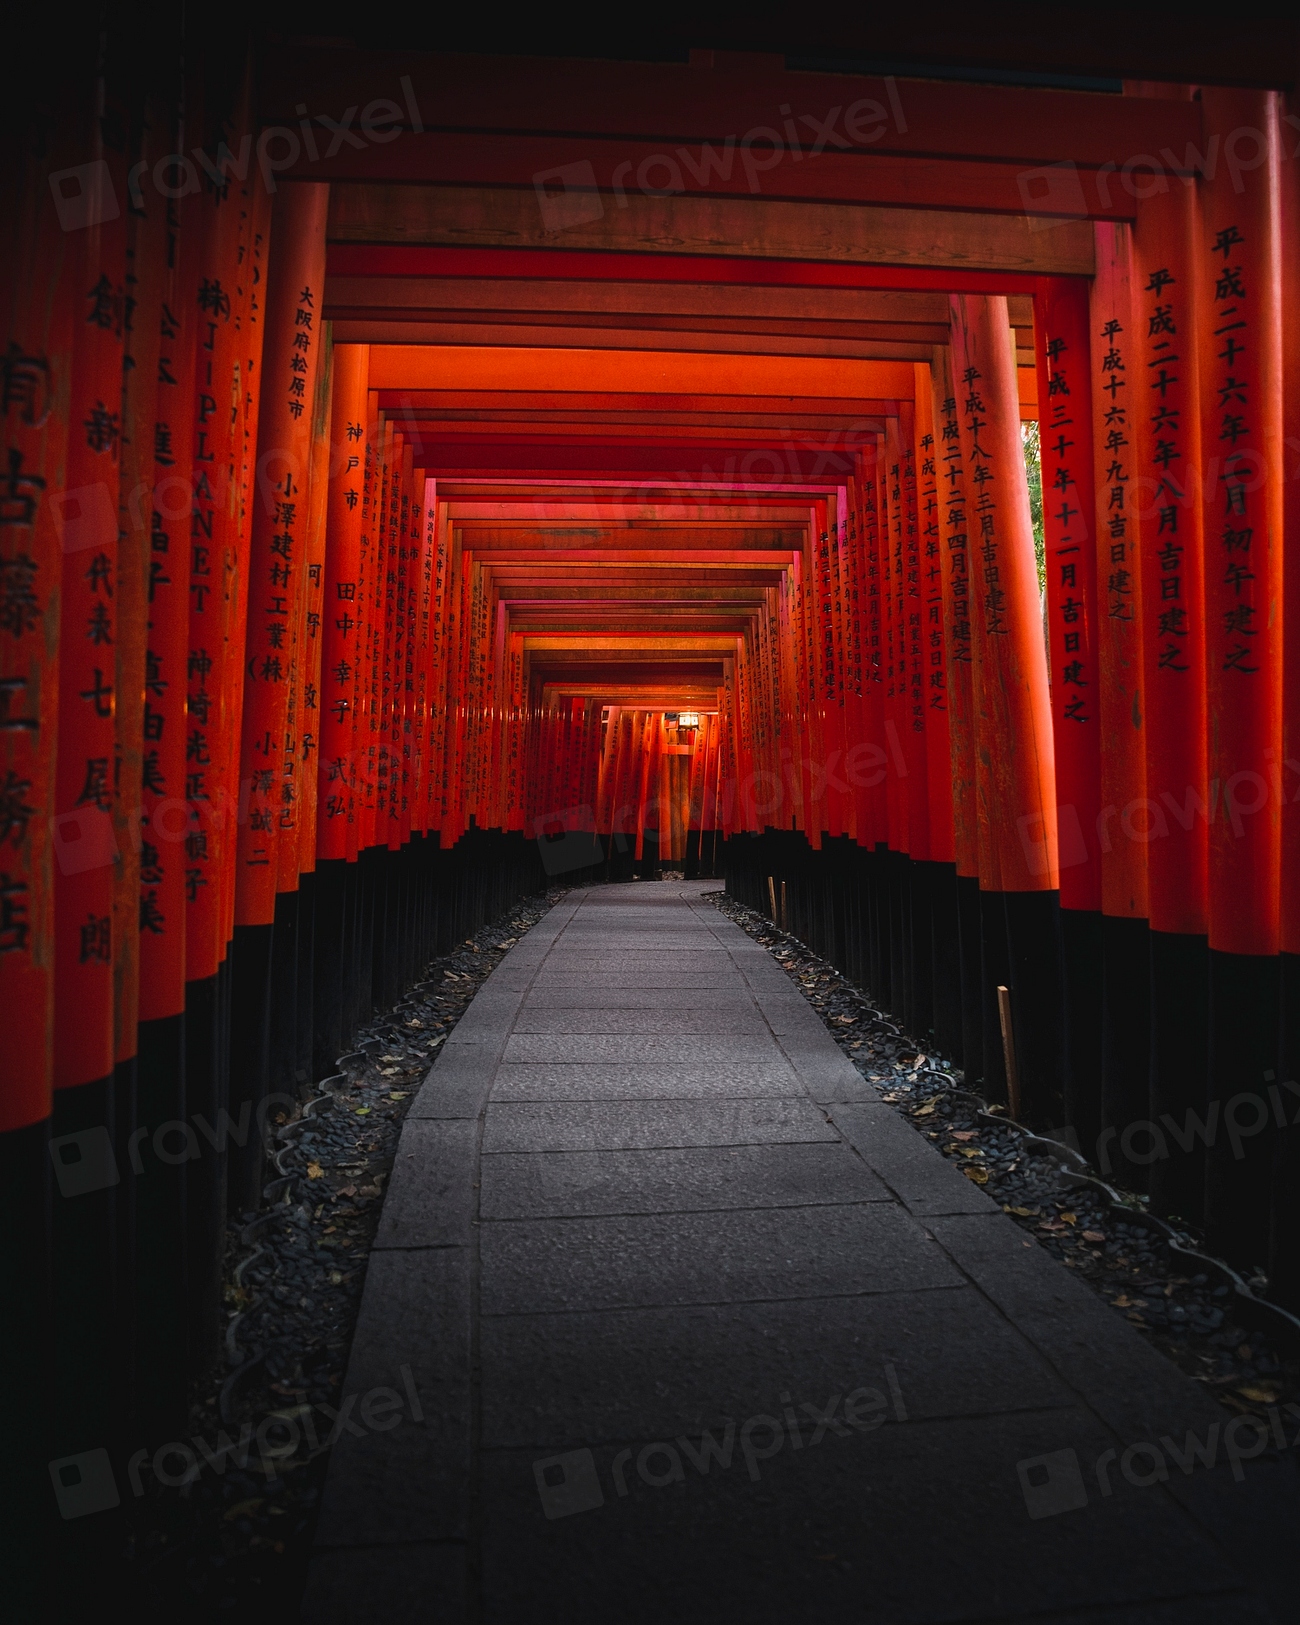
x=695 y=1328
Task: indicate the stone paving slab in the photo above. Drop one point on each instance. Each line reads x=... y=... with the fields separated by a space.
x=694 y=1178
x=643 y=1194
x=729 y=997
x=646 y=1374
x=633 y=1125
x=642 y=1080
x=600 y=1019
x=896 y=1526
x=705 y=1258
x=688 y=1050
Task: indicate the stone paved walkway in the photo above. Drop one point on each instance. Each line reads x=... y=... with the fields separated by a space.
x=671 y=1319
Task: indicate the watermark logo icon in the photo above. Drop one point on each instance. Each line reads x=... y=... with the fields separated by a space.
x=568 y=196
x=1053 y=190
x=84 y=1162
x=1052 y=1484
x=84 y=195
x=567 y=840
x=568 y=1483
x=84 y=1484
x=84 y=517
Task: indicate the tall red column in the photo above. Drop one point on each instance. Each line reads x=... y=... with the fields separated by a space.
x=1013 y=726
x=291 y=350
x=86 y=513
x=1241 y=339
x=341 y=609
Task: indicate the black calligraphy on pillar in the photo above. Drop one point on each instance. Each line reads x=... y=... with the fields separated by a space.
x=980 y=480
x=1115 y=445
x=1163 y=364
x=1061 y=498
x=954 y=504
x=1239 y=477
x=932 y=577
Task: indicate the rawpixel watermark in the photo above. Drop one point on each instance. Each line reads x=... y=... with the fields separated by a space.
x=84 y=194
x=87 y=1161
x=573 y=194
x=571 y=1482
x=1055 y=1483
x=86 y=1483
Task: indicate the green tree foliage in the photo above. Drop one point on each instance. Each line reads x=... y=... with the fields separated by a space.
x=1034 y=472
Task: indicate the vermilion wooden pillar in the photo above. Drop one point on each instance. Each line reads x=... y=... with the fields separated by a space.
x=1118 y=376
x=228 y=363
x=1061 y=319
x=291 y=350
x=1284 y=1256
x=944 y=903
x=86 y=1277
x=1174 y=818
x=1015 y=770
x=956 y=587
x=40 y=297
x=335 y=758
x=1240 y=332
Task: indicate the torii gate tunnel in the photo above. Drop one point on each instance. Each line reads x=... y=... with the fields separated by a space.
x=433 y=475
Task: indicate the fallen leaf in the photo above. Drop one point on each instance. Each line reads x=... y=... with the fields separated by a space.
x=1069 y=1218
x=315 y=1171
x=1093 y=1235
x=1020 y=1212
x=348 y=1190
x=924 y=1111
x=399 y=1094
x=1136 y=1319
x=389 y=1071
x=240 y=1508
x=363 y=1111
x=970 y=1151
x=965 y=1133
x=979 y=1175
x=335 y=1278
x=1263 y=1393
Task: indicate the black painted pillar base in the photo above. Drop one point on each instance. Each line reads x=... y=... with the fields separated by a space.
x=946 y=948
x=1244 y=1029
x=167 y=1144
x=647 y=866
x=207 y=1101
x=1284 y=1238
x=250 y=1043
x=900 y=992
x=1081 y=968
x=329 y=924
x=1034 y=958
x=971 y=969
x=27 y=1368
x=283 y=1043
x=1123 y=1147
x=921 y=959
x=1180 y=1084
x=89 y=1409
x=995 y=972
x=304 y=985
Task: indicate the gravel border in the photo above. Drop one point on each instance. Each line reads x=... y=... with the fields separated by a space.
x=234 y=1542
x=1192 y=1308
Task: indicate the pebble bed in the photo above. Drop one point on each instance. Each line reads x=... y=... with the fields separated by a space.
x=234 y=1543
x=1187 y=1315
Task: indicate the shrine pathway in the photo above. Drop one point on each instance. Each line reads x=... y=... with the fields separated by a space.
x=643 y=1198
